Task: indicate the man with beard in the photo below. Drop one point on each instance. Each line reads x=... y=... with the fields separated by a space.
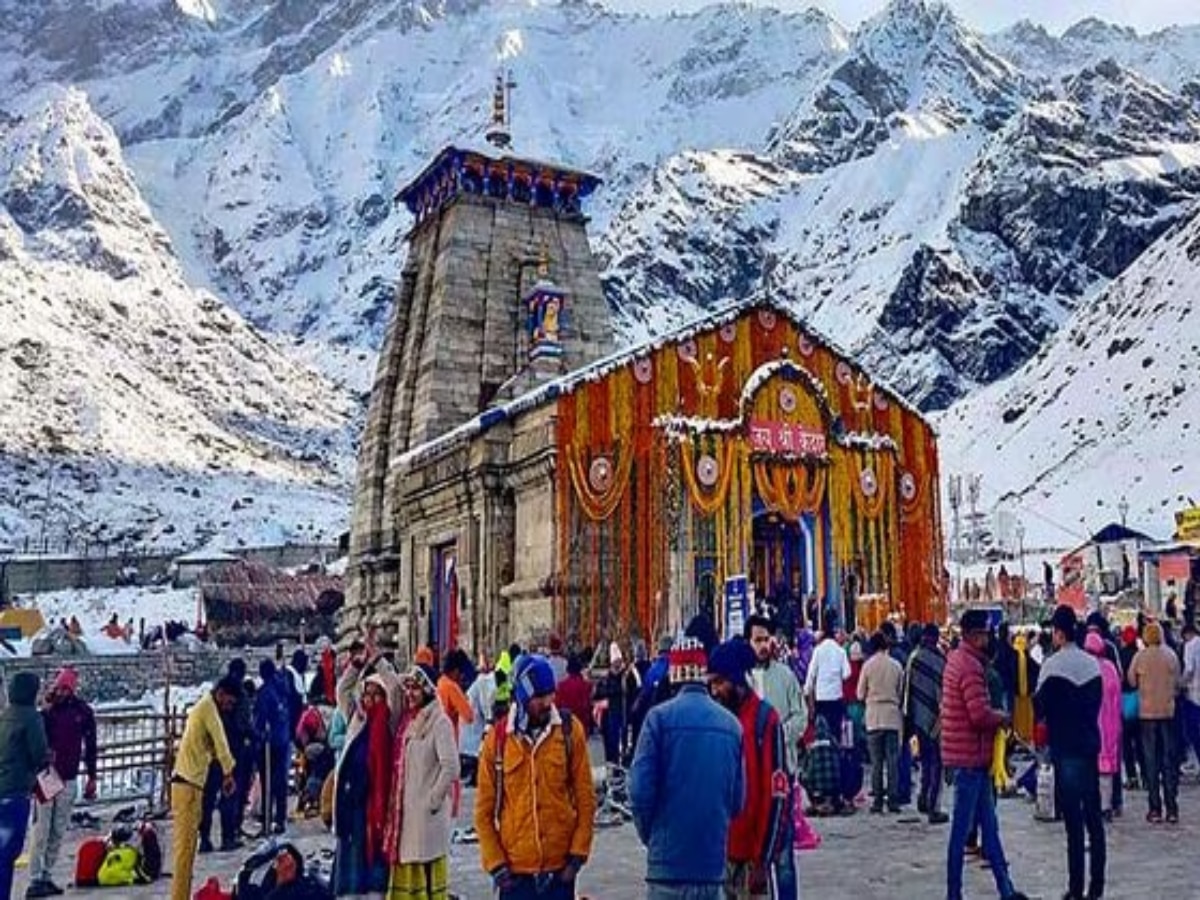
x=775 y=683
x=535 y=803
x=756 y=834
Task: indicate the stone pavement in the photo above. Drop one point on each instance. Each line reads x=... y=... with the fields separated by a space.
x=864 y=857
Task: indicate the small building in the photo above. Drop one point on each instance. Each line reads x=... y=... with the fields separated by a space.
x=1104 y=566
x=252 y=604
x=1172 y=568
x=187 y=569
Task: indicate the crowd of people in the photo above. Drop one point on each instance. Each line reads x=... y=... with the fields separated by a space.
x=727 y=747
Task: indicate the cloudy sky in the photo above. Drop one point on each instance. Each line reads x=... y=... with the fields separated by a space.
x=988 y=15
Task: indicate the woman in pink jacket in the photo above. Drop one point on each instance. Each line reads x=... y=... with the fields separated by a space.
x=1110 y=721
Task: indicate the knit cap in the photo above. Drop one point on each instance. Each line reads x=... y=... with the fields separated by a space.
x=533 y=678
x=686 y=661
x=67 y=679
x=732 y=661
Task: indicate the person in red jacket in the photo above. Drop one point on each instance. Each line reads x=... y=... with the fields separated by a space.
x=755 y=836
x=574 y=693
x=969 y=726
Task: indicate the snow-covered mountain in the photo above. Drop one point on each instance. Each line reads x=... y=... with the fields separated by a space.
x=132 y=404
x=943 y=202
x=1108 y=409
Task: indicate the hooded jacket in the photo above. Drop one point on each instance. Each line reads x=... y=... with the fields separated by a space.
x=23 y=747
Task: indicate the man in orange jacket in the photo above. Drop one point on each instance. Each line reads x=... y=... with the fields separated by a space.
x=535 y=801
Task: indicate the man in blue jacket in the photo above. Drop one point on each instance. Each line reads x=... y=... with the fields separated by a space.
x=272 y=724
x=686 y=784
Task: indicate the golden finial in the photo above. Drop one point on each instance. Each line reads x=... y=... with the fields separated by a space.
x=498 y=133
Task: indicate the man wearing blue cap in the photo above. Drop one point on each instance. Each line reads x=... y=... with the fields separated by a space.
x=757 y=832
x=535 y=801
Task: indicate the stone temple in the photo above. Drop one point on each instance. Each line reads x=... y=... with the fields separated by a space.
x=519 y=474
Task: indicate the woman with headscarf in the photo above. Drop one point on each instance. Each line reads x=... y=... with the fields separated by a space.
x=362 y=786
x=425 y=765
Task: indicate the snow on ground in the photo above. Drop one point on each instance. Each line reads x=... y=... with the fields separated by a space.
x=94 y=606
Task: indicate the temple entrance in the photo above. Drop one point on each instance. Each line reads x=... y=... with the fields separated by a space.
x=443 y=611
x=783 y=566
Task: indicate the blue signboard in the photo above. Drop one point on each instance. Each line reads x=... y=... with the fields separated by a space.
x=737 y=604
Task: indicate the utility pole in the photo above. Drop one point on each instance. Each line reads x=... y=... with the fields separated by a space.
x=973 y=481
x=1020 y=530
x=955 y=503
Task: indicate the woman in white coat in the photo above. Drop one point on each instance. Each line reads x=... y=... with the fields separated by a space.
x=425 y=767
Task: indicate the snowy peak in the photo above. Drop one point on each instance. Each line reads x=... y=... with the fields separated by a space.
x=116 y=377
x=1119 y=102
x=914 y=71
x=1109 y=408
x=65 y=185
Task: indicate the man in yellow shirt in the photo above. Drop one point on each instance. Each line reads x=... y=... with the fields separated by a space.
x=203 y=742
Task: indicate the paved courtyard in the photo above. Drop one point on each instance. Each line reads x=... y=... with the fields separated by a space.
x=862 y=857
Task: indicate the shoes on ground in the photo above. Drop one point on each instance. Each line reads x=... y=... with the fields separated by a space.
x=938 y=818
x=43 y=889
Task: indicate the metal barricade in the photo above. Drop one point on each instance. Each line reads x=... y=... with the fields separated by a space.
x=135 y=751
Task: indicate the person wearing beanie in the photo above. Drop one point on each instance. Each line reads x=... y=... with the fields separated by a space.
x=1155 y=673
x=425 y=768
x=23 y=753
x=574 y=693
x=1069 y=697
x=702 y=629
x=756 y=833
x=71 y=732
x=535 y=806
x=686 y=783
x=202 y=743
x=776 y=683
x=969 y=726
x=1131 y=731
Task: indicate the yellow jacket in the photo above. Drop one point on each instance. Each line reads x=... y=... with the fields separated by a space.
x=203 y=741
x=539 y=827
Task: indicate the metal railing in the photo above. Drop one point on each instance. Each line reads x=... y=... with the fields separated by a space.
x=135 y=752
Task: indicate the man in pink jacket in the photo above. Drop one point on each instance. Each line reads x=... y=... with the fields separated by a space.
x=969 y=726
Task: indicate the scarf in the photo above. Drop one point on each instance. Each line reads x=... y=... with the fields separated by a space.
x=379 y=776
x=395 y=822
x=329 y=679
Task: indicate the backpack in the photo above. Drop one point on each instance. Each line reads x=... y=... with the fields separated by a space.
x=119 y=868
x=88 y=860
x=150 y=859
x=501 y=732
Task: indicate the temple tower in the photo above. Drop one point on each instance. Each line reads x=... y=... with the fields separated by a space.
x=499 y=292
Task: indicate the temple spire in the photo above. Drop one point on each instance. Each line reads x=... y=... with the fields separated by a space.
x=499 y=133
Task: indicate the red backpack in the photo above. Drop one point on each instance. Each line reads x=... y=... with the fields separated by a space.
x=88 y=860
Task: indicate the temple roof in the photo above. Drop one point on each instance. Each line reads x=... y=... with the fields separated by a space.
x=450 y=155
x=567 y=383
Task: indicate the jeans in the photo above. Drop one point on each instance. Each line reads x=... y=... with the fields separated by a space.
x=885 y=753
x=1077 y=781
x=1131 y=747
x=833 y=711
x=904 y=768
x=53 y=819
x=658 y=891
x=14 y=822
x=785 y=865
x=931 y=773
x=278 y=759
x=1162 y=775
x=547 y=886
x=973 y=801
x=1191 y=727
